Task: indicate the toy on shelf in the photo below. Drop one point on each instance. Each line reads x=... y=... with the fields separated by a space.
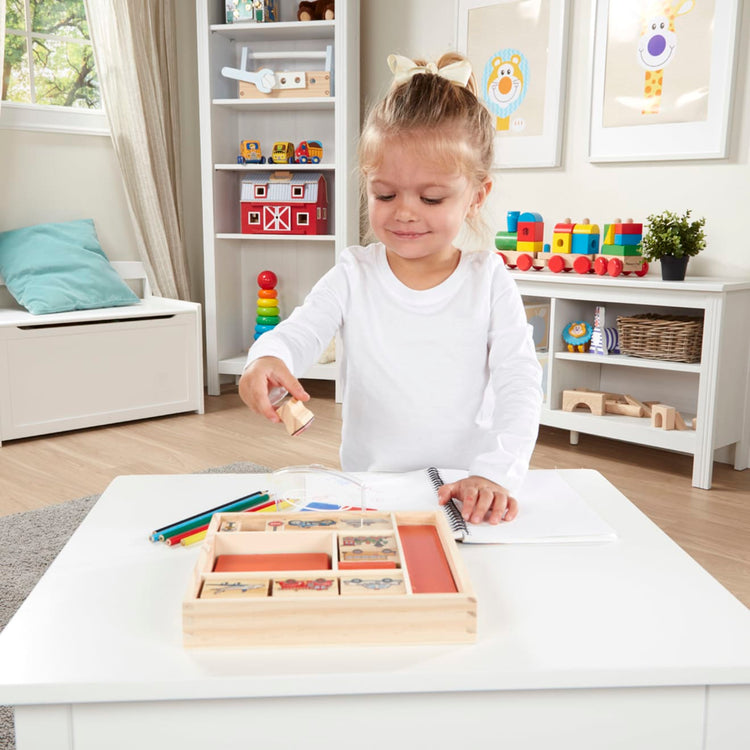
x=577 y=336
x=250 y=153
x=282 y=153
x=284 y=203
x=254 y=11
x=267 y=83
x=575 y=246
x=600 y=403
x=267 y=312
x=604 y=340
x=320 y=10
x=309 y=152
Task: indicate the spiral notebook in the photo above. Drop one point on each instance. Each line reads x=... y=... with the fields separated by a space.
x=550 y=510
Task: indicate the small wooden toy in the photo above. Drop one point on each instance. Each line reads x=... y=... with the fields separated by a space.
x=320 y=10
x=250 y=153
x=575 y=247
x=577 y=336
x=309 y=152
x=283 y=153
x=663 y=416
x=594 y=401
x=284 y=203
x=425 y=596
x=252 y=11
x=267 y=311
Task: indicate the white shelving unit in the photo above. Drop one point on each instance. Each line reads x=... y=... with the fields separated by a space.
x=232 y=260
x=715 y=390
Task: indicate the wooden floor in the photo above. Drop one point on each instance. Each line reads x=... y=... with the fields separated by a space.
x=712 y=526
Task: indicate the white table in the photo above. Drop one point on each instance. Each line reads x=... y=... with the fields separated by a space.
x=626 y=644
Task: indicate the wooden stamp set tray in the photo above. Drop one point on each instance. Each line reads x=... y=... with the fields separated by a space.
x=345 y=577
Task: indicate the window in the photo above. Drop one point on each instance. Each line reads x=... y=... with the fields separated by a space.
x=49 y=79
x=303 y=219
x=298 y=191
x=253 y=217
x=260 y=191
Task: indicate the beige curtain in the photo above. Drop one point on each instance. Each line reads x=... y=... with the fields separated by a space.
x=136 y=61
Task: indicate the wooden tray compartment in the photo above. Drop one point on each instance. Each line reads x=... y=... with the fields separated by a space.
x=334 y=604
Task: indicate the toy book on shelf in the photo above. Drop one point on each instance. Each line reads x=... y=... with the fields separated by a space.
x=294 y=80
x=575 y=246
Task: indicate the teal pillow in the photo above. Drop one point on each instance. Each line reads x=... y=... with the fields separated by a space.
x=52 y=268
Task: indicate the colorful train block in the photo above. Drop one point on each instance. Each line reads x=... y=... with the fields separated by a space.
x=575 y=246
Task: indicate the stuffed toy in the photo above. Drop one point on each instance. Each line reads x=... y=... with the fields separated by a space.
x=319 y=10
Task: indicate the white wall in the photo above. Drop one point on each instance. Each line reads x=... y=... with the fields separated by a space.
x=716 y=189
x=48 y=177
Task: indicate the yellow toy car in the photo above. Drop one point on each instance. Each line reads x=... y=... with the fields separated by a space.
x=250 y=153
x=283 y=153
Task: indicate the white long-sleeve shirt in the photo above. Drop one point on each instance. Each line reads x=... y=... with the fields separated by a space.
x=443 y=377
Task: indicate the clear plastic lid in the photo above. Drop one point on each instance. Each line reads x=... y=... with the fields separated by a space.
x=316 y=487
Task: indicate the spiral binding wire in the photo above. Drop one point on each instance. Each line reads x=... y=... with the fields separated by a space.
x=452 y=513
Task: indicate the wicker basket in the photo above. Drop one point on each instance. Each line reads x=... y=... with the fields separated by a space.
x=676 y=338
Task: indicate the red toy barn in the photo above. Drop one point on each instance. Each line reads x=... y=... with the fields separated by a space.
x=284 y=203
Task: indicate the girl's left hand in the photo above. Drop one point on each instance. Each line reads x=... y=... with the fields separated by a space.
x=481 y=500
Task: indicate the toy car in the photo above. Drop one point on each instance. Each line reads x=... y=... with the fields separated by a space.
x=283 y=153
x=309 y=151
x=250 y=153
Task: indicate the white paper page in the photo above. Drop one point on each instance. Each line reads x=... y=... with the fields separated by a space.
x=550 y=510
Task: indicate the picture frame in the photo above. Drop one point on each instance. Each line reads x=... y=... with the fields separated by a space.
x=518 y=50
x=646 y=109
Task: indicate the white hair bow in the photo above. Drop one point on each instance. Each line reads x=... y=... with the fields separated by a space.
x=403 y=69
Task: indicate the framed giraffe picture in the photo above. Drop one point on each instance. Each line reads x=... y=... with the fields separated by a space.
x=517 y=49
x=661 y=79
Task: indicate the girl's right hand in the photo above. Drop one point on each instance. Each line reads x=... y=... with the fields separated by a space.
x=264 y=374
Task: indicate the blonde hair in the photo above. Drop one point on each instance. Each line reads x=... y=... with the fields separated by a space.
x=443 y=121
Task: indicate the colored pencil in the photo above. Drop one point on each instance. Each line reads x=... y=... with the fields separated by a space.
x=204 y=518
x=193 y=538
x=175 y=540
x=155 y=534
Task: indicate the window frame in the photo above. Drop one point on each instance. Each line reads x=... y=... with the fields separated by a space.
x=48 y=117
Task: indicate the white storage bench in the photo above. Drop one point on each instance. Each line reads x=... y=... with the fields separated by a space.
x=84 y=368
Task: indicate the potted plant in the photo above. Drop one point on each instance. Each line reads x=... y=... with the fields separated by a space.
x=673 y=239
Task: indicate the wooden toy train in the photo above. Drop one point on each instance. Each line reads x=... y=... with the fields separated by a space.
x=575 y=247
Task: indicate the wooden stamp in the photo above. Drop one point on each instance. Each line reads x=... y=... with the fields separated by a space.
x=231 y=589
x=305 y=587
x=358 y=585
x=295 y=416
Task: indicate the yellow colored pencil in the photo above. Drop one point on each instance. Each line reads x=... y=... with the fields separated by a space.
x=193 y=538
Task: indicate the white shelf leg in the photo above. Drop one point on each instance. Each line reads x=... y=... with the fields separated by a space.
x=574 y=437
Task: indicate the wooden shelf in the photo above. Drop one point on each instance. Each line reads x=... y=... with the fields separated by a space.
x=713 y=390
x=276 y=237
x=322 y=166
x=267 y=105
x=623 y=360
x=275 y=32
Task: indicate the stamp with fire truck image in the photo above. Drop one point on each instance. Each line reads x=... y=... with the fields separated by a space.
x=304 y=585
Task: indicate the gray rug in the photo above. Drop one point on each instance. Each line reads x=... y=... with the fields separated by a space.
x=30 y=541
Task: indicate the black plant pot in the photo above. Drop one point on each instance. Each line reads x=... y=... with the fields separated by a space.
x=673 y=269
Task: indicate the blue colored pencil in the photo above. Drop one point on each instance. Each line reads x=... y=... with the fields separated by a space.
x=154 y=536
x=237 y=506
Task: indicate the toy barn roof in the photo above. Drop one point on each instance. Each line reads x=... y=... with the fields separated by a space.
x=281 y=190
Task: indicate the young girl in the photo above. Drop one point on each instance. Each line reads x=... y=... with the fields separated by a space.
x=438 y=365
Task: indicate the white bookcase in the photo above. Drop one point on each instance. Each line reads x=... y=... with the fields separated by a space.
x=715 y=390
x=232 y=260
